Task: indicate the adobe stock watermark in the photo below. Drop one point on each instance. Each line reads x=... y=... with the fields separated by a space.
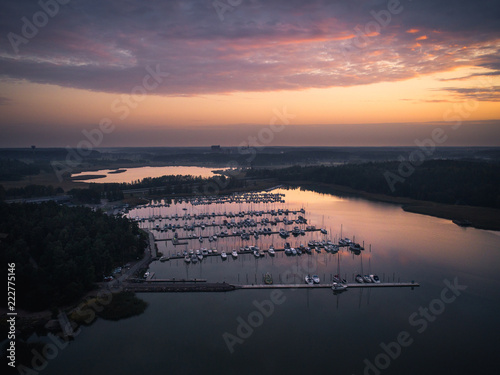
x=223 y=6
x=122 y=107
x=381 y=20
x=245 y=328
x=30 y=28
x=421 y=320
x=426 y=147
x=265 y=309
x=249 y=147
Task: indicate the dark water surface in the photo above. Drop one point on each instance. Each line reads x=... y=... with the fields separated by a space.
x=441 y=330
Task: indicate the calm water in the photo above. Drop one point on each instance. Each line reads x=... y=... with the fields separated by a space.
x=134 y=174
x=314 y=331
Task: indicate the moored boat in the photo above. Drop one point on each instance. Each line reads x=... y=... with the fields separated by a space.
x=309 y=280
x=271 y=251
x=375 y=279
x=338 y=287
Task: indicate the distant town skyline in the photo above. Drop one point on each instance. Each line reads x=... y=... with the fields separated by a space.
x=288 y=73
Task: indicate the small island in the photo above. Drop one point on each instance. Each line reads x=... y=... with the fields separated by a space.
x=117 y=171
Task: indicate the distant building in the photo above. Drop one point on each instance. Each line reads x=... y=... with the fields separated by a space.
x=216 y=148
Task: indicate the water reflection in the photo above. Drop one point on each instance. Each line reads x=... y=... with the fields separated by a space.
x=133 y=174
x=182 y=333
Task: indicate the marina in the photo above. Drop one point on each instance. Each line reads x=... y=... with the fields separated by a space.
x=239 y=231
x=208 y=298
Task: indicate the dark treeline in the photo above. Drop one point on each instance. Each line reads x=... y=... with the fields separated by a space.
x=182 y=184
x=15 y=170
x=443 y=181
x=95 y=191
x=60 y=252
x=29 y=191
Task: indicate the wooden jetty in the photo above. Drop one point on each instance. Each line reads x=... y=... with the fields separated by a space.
x=179 y=287
x=169 y=287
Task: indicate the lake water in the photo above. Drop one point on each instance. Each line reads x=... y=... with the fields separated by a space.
x=134 y=174
x=441 y=330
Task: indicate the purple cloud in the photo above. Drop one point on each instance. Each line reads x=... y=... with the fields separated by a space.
x=259 y=45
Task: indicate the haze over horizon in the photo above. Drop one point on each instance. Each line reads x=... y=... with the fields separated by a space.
x=191 y=73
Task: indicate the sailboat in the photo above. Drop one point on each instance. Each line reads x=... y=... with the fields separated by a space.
x=337 y=278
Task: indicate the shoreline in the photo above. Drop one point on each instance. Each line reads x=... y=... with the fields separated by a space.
x=479 y=217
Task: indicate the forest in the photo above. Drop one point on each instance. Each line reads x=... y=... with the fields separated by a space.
x=443 y=181
x=181 y=184
x=60 y=252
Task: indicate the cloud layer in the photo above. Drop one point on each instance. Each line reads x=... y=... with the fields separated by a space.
x=254 y=46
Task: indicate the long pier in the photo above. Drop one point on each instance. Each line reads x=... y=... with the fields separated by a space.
x=159 y=287
x=319 y=286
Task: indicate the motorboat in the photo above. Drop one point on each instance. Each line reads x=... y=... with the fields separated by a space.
x=268 y=279
x=338 y=287
x=234 y=254
x=164 y=258
x=375 y=279
x=315 y=279
x=187 y=259
x=309 y=280
x=367 y=279
x=271 y=251
x=256 y=253
x=223 y=255
x=294 y=251
x=359 y=279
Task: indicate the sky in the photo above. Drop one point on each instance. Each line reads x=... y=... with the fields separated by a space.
x=230 y=72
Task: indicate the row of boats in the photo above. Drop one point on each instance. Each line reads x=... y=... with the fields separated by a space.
x=316 y=246
x=339 y=284
x=227 y=215
x=246 y=223
x=199 y=255
x=253 y=197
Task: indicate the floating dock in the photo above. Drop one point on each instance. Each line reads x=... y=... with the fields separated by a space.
x=228 y=235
